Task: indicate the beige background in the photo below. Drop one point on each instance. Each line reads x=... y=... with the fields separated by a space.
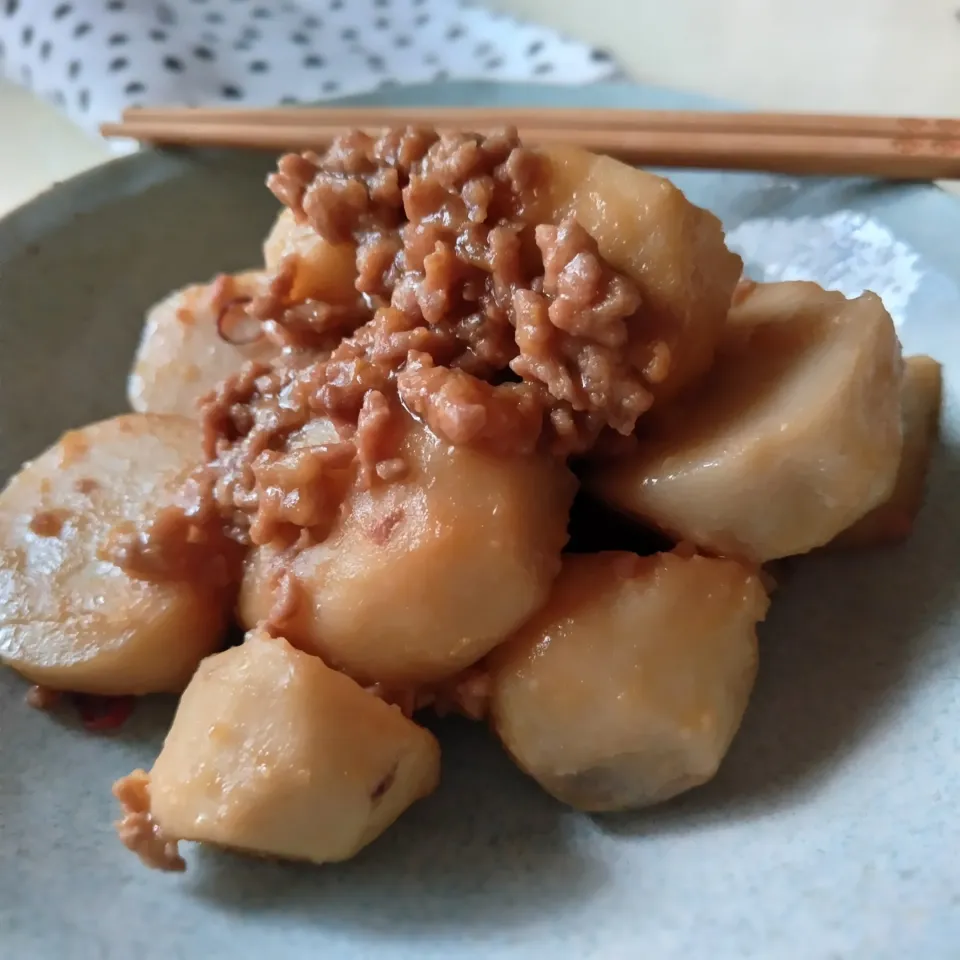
x=894 y=56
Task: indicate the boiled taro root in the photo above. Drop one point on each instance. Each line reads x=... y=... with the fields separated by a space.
x=271 y=752
x=73 y=615
x=628 y=686
x=920 y=400
x=671 y=249
x=319 y=270
x=794 y=435
x=192 y=340
x=420 y=576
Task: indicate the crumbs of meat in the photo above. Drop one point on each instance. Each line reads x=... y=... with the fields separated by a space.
x=181 y=541
x=137 y=829
x=493 y=327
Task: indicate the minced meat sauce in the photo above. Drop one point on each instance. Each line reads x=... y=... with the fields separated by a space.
x=481 y=318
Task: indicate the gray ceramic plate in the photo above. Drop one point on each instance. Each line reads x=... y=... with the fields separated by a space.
x=832 y=830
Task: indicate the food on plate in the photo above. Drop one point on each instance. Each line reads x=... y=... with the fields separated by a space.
x=272 y=752
x=476 y=245
x=420 y=577
x=920 y=400
x=794 y=435
x=371 y=448
x=192 y=340
x=80 y=610
x=628 y=686
x=672 y=250
x=313 y=268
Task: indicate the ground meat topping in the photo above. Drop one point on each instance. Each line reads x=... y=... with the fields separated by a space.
x=299 y=325
x=466 y=410
x=419 y=207
x=268 y=479
x=137 y=829
x=491 y=327
x=302 y=488
x=182 y=540
x=572 y=335
x=588 y=299
x=377 y=440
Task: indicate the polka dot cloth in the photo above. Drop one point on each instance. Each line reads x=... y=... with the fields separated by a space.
x=93 y=58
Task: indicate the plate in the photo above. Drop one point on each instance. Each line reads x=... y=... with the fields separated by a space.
x=832 y=829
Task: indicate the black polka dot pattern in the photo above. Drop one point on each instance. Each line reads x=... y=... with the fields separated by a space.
x=95 y=57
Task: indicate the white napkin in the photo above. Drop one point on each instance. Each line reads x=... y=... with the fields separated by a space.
x=93 y=58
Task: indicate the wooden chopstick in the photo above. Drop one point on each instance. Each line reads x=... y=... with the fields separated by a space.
x=932 y=128
x=782 y=143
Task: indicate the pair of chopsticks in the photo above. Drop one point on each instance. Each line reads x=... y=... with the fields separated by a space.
x=901 y=148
